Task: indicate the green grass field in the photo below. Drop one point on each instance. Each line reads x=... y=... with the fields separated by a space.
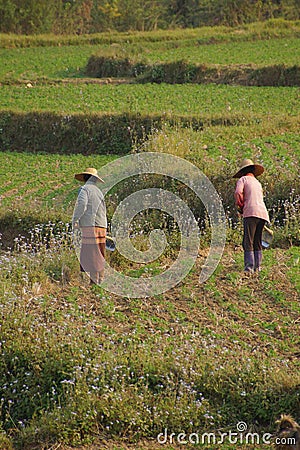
x=188 y=100
x=257 y=52
x=51 y=188
x=65 y=62
x=46 y=62
x=83 y=368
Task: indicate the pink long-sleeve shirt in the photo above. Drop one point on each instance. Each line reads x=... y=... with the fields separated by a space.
x=249 y=197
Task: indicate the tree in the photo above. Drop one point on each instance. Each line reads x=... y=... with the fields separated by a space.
x=184 y=13
x=73 y=17
x=89 y=16
x=26 y=16
x=142 y=15
x=8 y=17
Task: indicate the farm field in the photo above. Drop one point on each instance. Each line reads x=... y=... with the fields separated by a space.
x=55 y=191
x=84 y=368
x=181 y=100
x=261 y=53
x=54 y=63
x=45 y=190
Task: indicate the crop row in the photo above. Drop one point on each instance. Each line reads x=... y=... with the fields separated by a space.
x=258 y=52
x=52 y=190
x=189 y=100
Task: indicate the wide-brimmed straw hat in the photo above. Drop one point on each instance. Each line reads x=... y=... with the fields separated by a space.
x=258 y=169
x=89 y=171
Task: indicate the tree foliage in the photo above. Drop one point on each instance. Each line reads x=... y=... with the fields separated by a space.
x=90 y=16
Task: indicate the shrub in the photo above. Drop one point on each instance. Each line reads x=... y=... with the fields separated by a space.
x=54 y=133
x=179 y=72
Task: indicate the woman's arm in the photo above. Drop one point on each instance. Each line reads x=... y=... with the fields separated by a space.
x=239 y=199
x=239 y=195
x=80 y=207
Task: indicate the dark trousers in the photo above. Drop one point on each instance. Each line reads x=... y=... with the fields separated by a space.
x=253 y=227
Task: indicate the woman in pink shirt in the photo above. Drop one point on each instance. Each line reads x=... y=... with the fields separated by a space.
x=250 y=203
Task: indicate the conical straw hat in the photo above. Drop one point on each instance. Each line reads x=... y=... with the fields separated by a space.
x=258 y=169
x=89 y=171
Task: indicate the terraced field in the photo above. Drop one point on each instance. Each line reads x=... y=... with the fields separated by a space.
x=81 y=366
x=69 y=62
x=184 y=100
